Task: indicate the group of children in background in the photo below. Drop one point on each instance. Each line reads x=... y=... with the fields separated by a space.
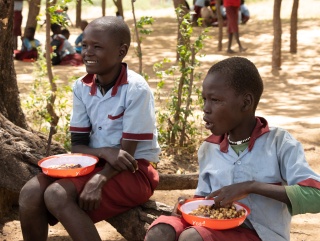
x=64 y=52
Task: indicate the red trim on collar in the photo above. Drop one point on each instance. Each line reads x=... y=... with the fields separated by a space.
x=310 y=183
x=90 y=80
x=260 y=129
x=122 y=79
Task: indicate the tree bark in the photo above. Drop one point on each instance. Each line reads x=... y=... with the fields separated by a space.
x=10 y=105
x=133 y=224
x=277 y=31
x=294 y=27
x=220 y=25
x=78 y=13
x=34 y=9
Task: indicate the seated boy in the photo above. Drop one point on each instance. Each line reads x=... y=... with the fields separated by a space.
x=29 y=46
x=113 y=118
x=245 y=160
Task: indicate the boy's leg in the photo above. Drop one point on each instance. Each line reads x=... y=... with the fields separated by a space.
x=241 y=49
x=32 y=209
x=161 y=232
x=61 y=201
x=230 y=37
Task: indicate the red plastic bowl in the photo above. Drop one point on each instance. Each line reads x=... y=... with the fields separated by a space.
x=87 y=163
x=217 y=224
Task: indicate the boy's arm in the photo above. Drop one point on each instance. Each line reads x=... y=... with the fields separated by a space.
x=227 y=195
x=303 y=199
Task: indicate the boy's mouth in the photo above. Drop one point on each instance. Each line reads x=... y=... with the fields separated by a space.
x=90 y=62
x=208 y=125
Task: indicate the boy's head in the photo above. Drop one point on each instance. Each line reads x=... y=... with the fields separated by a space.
x=241 y=75
x=65 y=32
x=83 y=24
x=29 y=33
x=56 y=28
x=231 y=92
x=105 y=43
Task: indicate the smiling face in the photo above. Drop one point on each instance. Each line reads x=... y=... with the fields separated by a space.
x=102 y=52
x=223 y=108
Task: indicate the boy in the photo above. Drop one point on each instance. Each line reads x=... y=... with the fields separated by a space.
x=232 y=11
x=113 y=118
x=245 y=160
x=78 y=41
x=29 y=46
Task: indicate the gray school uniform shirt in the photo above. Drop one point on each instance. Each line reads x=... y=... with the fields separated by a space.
x=273 y=156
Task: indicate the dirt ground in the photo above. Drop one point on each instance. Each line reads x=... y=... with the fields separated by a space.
x=291 y=98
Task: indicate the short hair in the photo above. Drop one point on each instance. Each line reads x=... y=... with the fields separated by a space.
x=55 y=27
x=242 y=76
x=114 y=26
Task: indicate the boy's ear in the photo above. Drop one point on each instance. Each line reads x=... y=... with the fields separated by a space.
x=123 y=50
x=248 y=101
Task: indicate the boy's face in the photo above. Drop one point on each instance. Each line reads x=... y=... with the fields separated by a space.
x=101 y=53
x=222 y=106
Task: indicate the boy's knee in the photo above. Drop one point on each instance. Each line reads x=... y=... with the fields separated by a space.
x=190 y=234
x=31 y=194
x=54 y=197
x=161 y=232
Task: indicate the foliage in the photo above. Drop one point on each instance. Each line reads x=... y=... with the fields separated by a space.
x=35 y=104
x=140 y=29
x=177 y=124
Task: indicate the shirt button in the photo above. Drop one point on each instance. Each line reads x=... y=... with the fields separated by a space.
x=238 y=162
x=100 y=128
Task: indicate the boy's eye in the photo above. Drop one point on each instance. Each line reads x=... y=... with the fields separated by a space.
x=96 y=47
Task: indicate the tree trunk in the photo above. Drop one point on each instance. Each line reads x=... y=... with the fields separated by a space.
x=133 y=224
x=10 y=105
x=277 y=31
x=176 y=4
x=103 y=6
x=294 y=27
x=34 y=9
x=119 y=6
x=220 y=25
x=78 y=13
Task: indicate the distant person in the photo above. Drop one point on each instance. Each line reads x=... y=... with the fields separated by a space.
x=17 y=22
x=78 y=42
x=207 y=14
x=119 y=15
x=63 y=12
x=232 y=10
x=197 y=9
x=55 y=29
x=29 y=47
x=244 y=13
x=65 y=53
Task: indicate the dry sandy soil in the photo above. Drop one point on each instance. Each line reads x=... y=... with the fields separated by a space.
x=291 y=98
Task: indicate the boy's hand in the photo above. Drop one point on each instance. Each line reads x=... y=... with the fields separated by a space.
x=120 y=160
x=90 y=196
x=225 y=196
x=176 y=212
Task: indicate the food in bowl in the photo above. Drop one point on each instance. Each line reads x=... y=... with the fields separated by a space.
x=191 y=205
x=68 y=165
x=65 y=166
x=209 y=211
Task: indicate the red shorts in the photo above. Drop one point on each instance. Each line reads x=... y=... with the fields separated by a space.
x=179 y=225
x=17 y=22
x=232 y=19
x=123 y=192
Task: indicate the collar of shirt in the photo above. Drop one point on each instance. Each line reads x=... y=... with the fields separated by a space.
x=90 y=80
x=260 y=129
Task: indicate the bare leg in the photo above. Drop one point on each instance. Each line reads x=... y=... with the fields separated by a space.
x=61 y=201
x=32 y=209
x=190 y=234
x=241 y=49
x=230 y=36
x=161 y=232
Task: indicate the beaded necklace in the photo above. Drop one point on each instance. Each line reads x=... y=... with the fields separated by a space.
x=238 y=142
